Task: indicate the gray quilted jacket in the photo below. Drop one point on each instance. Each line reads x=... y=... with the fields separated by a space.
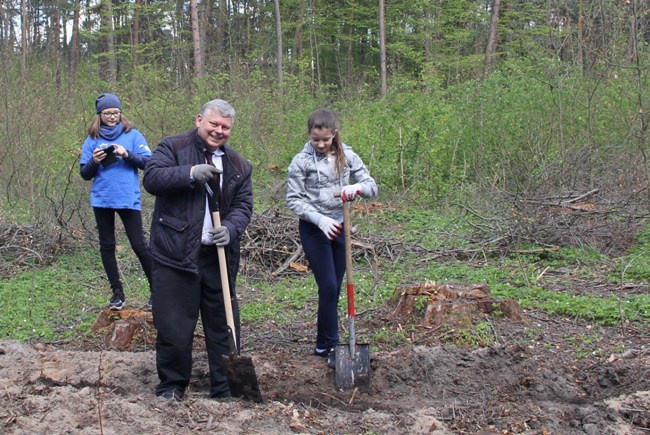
x=313 y=180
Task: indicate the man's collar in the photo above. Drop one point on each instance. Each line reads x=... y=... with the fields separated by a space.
x=218 y=152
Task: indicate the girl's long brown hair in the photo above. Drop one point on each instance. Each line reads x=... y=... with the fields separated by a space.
x=323 y=118
x=93 y=130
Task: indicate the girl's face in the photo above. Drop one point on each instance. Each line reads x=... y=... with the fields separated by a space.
x=321 y=139
x=111 y=116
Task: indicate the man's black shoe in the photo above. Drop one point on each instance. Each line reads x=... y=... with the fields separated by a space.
x=171 y=395
x=222 y=395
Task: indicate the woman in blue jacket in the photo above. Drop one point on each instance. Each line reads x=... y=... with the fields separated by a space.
x=111 y=156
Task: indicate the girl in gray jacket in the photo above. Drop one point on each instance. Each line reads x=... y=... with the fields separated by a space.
x=324 y=167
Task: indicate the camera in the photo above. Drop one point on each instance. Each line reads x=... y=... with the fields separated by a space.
x=111 y=157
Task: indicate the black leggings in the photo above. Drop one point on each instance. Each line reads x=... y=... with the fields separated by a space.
x=132 y=220
x=327 y=261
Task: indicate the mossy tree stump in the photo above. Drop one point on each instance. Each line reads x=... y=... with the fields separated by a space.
x=456 y=306
x=126 y=330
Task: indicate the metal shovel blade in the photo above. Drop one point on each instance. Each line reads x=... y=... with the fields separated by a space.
x=241 y=377
x=352 y=369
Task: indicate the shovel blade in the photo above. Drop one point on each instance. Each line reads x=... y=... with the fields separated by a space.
x=352 y=369
x=241 y=377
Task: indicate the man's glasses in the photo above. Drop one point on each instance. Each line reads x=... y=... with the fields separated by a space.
x=111 y=114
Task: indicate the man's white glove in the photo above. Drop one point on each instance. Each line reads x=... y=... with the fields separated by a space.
x=330 y=227
x=348 y=193
x=203 y=172
x=221 y=236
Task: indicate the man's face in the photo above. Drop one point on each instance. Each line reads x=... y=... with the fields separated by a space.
x=214 y=129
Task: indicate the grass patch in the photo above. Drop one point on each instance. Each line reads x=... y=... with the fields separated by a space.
x=50 y=302
x=64 y=299
x=285 y=300
x=422 y=227
x=602 y=310
x=635 y=266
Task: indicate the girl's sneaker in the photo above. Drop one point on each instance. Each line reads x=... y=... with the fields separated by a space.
x=330 y=354
x=116 y=303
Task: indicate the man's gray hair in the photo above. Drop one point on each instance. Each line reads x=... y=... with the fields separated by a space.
x=221 y=107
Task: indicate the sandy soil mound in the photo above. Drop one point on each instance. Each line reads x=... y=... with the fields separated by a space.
x=505 y=389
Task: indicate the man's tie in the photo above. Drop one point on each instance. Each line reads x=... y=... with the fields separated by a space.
x=214 y=182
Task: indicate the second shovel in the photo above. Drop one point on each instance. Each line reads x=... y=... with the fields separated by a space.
x=239 y=369
x=352 y=360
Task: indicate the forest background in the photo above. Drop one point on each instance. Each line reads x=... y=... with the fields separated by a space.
x=528 y=117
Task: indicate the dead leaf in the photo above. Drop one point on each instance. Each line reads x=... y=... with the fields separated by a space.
x=298 y=267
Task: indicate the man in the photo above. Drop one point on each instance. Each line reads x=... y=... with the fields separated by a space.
x=186 y=276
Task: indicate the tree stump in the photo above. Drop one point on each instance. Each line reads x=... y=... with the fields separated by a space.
x=126 y=330
x=453 y=305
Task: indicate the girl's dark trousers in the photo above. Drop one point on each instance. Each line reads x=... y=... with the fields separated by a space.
x=132 y=221
x=327 y=261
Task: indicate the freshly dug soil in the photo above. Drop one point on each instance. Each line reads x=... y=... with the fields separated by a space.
x=537 y=378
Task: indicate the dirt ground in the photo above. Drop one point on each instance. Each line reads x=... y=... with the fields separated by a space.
x=542 y=376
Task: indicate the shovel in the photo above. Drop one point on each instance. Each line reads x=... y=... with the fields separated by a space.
x=352 y=364
x=239 y=369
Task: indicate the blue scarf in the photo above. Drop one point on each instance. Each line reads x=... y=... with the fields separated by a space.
x=111 y=133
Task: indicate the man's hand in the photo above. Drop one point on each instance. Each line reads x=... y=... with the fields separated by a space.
x=330 y=227
x=221 y=236
x=203 y=172
x=348 y=193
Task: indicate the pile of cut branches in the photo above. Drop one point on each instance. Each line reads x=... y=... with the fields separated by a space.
x=25 y=246
x=271 y=246
x=507 y=221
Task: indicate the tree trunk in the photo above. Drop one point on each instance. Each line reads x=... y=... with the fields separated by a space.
x=110 y=70
x=427 y=38
x=492 y=40
x=205 y=18
x=278 y=34
x=349 y=61
x=581 y=38
x=220 y=31
x=23 y=36
x=196 y=40
x=296 y=53
x=382 y=50
x=314 y=55
x=56 y=41
x=74 y=43
x=136 y=32
x=639 y=69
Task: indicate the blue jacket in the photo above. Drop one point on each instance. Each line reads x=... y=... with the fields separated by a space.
x=177 y=220
x=117 y=185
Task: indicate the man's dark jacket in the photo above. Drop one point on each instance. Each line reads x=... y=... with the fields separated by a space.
x=177 y=220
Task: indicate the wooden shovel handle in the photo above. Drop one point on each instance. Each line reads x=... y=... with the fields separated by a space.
x=348 y=274
x=348 y=241
x=225 y=285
